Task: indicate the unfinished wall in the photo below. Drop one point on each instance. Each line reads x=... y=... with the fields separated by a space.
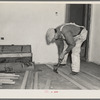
x=27 y=23
x=94 y=45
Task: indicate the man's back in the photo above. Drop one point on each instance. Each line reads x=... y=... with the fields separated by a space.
x=73 y=28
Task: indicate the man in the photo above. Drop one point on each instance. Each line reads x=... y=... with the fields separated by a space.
x=68 y=37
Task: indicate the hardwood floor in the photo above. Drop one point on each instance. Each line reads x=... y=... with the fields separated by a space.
x=87 y=79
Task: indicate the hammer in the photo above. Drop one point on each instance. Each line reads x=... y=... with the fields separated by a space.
x=57 y=66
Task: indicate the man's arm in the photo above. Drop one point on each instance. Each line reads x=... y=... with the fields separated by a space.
x=60 y=47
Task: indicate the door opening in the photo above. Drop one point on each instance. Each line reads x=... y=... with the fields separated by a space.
x=80 y=14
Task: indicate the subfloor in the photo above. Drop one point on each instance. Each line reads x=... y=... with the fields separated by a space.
x=87 y=79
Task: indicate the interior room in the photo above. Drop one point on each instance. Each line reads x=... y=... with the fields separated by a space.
x=27 y=62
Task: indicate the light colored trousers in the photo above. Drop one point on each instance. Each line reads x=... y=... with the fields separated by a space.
x=79 y=39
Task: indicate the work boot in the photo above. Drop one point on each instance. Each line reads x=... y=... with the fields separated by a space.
x=74 y=73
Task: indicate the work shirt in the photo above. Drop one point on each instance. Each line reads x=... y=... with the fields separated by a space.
x=68 y=31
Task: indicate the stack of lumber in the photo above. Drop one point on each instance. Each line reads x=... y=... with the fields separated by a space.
x=7 y=78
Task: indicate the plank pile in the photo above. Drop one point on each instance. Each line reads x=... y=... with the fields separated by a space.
x=7 y=78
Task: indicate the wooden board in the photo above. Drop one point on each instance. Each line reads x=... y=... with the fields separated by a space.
x=78 y=78
x=30 y=80
x=47 y=86
x=23 y=85
x=36 y=81
x=68 y=78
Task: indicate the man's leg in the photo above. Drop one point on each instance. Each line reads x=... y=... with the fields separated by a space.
x=76 y=57
x=76 y=52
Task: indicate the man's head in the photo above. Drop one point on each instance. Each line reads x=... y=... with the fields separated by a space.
x=51 y=35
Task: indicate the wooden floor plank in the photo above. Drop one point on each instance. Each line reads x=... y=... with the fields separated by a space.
x=31 y=85
x=80 y=79
x=28 y=80
x=68 y=78
x=47 y=86
x=36 y=81
x=98 y=78
x=23 y=85
x=90 y=79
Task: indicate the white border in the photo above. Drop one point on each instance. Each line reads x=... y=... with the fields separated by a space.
x=54 y=2
x=40 y=94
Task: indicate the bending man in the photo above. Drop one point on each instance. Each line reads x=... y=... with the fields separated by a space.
x=68 y=37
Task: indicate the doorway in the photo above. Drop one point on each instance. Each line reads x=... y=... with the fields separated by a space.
x=80 y=14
